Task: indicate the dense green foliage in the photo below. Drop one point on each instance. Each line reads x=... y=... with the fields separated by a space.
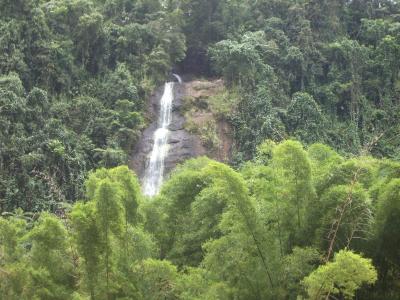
x=294 y=223
x=343 y=276
x=74 y=76
x=327 y=70
x=311 y=92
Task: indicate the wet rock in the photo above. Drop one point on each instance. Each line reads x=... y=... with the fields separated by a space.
x=178 y=123
x=182 y=145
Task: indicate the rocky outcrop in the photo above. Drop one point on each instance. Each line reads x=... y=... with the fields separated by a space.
x=201 y=113
x=182 y=144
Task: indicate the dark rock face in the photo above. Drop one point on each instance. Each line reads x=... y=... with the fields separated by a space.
x=182 y=145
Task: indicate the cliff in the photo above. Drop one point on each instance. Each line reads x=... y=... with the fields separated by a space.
x=195 y=130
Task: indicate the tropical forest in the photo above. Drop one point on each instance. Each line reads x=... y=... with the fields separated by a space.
x=199 y=149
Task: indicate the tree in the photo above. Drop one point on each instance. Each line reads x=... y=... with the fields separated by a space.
x=207 y=201
x=11 y=232
x=49 y=267
x=89 y=244
x=385 y=236
x=241 y=61
x=343 y=211
x=305 y=119
x=192 y=195
x=104 y=233
x=348 y=61
x=120 y=85
x=326 y=17
x=156 y=279
x=201 y=29
x=341 y=277
x=109 y=213
x=300 y=263
x=323 y=159
x=257 y=120
x=293 y=170
x=89 y=39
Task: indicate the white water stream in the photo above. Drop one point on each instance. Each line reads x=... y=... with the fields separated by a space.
x=154 y=174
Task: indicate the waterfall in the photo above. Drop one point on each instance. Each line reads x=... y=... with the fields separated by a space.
x=155 y=171
x=178 y=78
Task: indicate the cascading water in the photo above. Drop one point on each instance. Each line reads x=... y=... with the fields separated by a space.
x=178 y=78
x=155 y=171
